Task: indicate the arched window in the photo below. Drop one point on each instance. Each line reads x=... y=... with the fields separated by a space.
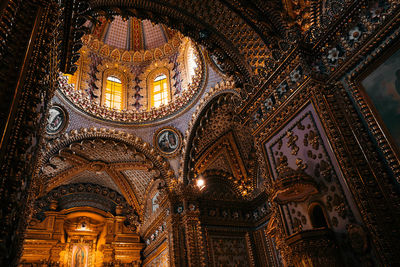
x=159 y=93
x=113 y=93
x=191 y=63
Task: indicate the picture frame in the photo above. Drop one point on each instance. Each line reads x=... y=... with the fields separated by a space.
x=373 y=87
x=57 y=120
x=168 y=141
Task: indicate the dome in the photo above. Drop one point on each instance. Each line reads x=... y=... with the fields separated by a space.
x=132 y=34
x=132 y=71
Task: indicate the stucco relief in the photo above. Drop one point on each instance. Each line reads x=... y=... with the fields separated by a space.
x=229 y=251
x=302 y=145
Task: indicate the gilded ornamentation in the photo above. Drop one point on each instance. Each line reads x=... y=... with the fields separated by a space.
x=141 y=153
x=292 y=139
x=133 y=56
x=296 y=98
x=90 y=103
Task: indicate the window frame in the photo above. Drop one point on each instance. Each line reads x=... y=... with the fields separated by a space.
x=119 y=75
x=150 y=85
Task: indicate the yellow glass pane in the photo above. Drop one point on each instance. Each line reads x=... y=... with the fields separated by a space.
x=113 y=93
x=159 y=94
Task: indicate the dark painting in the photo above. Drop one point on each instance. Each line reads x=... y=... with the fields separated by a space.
x=383 y=89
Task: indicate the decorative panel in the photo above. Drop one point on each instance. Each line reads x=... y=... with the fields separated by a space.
x=117 y=33
x=159 y=259
x=303 y=145
x=229 y=251
x=154 y=35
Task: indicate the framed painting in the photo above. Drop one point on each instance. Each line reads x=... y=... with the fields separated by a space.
x=168 y=141
x=382 y=86
x=377 y=84
x=57 y=120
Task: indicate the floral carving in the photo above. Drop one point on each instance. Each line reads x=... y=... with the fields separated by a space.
x=292 y=139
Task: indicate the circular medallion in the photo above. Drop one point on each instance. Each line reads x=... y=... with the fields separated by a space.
x=213 y=60
x=57 y=120
x=168 y=141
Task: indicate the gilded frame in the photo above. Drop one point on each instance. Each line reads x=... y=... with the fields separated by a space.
x=370 y=115
x=178 y=135
x=63 y=124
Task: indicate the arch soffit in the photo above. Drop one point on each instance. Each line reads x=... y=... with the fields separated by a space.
x=155 y=161
x=221 y=90
x=150 y=191
x=221 y=178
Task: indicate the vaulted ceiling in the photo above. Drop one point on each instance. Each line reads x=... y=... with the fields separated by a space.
x=250 y=38
x=125 y=166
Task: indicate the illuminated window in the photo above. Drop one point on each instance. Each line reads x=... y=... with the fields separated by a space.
x=113 y=93
x=159 y=93
x=191 y=63
x=154 y=202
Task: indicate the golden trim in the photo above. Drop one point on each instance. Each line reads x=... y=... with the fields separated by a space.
x=156 y=253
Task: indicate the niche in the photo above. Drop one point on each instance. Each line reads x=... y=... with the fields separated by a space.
x=317 y=216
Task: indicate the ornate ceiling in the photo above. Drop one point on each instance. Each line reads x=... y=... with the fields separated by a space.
x=131 y=34
x=278 y=59
x=114 y=160
x=179 y=59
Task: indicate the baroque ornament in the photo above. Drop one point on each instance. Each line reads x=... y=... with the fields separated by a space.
x=181 y=100
x=84 y=133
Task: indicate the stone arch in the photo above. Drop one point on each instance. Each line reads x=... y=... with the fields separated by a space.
x=113 y=202
x=218 y=186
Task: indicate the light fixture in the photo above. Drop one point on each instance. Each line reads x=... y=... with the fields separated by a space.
x=82 y=227
x=200 y=182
